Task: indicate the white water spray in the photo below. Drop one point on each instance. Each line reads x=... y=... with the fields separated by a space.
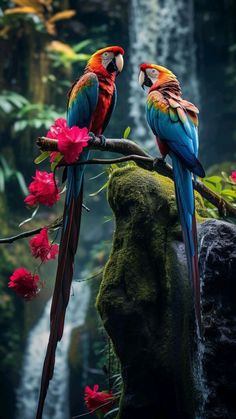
x=162 y=32
x=57 y=401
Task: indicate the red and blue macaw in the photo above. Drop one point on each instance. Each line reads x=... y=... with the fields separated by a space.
x=91 y=101
x=174 y=122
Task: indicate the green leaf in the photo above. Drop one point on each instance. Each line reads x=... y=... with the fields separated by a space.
x=7 y=171
x=43 y=156
x=97 y=176
x=56 y=161
x=229 y=192
x=99 y=190
x=214 y=179
x=78 y=47
x=29 y=219
x=20 y=125
x=126 y=132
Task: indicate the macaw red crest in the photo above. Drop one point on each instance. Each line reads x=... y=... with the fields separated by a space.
x=107 y=61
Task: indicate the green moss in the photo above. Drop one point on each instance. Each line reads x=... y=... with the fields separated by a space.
x=144 y=298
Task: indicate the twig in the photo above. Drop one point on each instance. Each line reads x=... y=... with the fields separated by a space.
x=132 y=151
x=55 y=224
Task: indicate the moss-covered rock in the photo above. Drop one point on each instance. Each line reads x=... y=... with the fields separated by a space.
x=145 y=300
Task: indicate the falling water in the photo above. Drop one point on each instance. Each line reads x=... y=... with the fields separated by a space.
x=161 y=31
x=56 y=405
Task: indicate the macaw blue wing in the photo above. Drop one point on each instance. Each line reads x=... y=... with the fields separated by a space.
x=175 y=128
x=82 y=101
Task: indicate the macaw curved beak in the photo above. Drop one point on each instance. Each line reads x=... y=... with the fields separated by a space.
x=116 y=64
x=141 y=79
x=119 y=62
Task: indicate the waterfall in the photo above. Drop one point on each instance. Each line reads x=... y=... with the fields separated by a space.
x=56 y=405
x=161 y=32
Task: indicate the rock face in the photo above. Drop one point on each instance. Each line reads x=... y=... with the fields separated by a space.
x=145 y=300
x=218 y=271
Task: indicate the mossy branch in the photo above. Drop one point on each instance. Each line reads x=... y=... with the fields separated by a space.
x=133 y=152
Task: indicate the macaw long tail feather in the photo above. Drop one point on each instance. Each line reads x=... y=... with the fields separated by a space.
x=61 y=295
x=186 y=208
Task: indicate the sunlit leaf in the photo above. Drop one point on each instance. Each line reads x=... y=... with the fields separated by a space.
x=29 y=3
x=65 y=14
x=126 y=132
x=43 y=156
x=229 y=192
x=24 y=10
x=210 y=185
x=214 y=179
x=61 y=47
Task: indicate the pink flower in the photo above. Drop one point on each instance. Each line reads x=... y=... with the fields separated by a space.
x=43 y=190
x=59 y=126
x=94 y=399
x=41 y=248
x=71 y=142
x=233 y=176
x=24 y=283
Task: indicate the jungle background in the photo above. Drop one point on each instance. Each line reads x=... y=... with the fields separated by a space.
x=44 y=46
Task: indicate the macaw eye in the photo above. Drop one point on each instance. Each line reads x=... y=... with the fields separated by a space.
x=105 y=54
x=152 y=72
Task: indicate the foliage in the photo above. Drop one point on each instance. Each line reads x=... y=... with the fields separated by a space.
x=223 y=186
x=10 y=102
x=63 y=54
x=35 y=115
x=40 y=11
x=7 y=175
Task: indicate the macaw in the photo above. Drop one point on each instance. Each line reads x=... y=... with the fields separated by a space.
x=174 y=122
x=91 y=101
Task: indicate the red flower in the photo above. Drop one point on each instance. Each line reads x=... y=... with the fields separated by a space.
x=71 y=142
x=94 y=399
x=24 y=283
x=233 y=176
x=59 y=126
x=43 y=190
x=41 y=248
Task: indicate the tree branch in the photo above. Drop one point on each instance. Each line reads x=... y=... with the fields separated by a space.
x=132 y=151
x=55 y=224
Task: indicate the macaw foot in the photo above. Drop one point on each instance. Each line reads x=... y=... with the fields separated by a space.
x=157 y=161
x=92 y=137
x=103 y=140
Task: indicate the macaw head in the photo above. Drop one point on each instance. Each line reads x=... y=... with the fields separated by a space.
x=107 y=61
x=152 y=75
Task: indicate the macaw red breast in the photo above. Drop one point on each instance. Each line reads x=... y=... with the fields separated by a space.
x=105 y=97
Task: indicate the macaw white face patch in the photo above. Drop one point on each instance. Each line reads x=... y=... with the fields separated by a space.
x=107 y=57
x=152 y=74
